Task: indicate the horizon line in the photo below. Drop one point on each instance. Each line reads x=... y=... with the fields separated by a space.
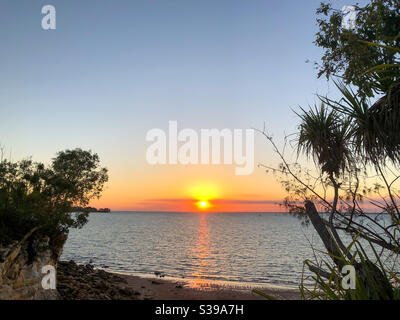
x=205 y=211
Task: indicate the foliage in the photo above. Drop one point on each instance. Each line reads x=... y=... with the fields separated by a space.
x=325 y=135
x=347 y=199
x=346 y=51
x=372 y=281
x=373 y=128
x=34 y=195
x=263 y=294
x=355 y=146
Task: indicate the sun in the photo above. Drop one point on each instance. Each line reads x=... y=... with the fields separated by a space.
x=204 y=193
x=203 y=205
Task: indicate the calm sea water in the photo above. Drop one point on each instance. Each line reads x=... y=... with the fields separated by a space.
x=245 y=248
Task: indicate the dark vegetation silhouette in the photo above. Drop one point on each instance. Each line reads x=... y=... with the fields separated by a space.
x=354 y=143
x=37 y=197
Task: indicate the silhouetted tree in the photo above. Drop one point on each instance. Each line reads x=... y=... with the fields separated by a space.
x=33 y=195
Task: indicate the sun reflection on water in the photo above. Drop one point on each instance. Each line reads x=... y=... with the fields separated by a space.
x=201 y=254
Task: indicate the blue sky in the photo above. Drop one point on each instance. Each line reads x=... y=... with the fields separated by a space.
x=112 y=70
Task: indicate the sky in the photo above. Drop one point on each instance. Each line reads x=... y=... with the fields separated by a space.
x=113 y=70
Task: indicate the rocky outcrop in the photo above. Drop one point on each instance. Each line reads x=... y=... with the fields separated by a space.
x=84 y=282
x=21 y=274
x=21 y=268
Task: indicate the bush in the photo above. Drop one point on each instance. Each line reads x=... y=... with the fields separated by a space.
x=33 y=195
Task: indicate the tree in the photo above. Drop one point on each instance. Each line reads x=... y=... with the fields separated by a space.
x=346 y=51
x=33 y=195
x=341 y=186
x=355 y=146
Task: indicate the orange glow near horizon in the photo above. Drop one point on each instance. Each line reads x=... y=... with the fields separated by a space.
x=182 y=189
x=204 y=192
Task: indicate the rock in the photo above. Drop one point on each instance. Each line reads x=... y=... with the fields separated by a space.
x=88 y=283
x=21 y=275
x=21 y=265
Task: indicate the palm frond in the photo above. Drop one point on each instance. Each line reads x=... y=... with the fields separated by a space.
x=325 y=136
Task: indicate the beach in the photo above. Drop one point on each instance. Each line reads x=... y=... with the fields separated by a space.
x=160 y=289
x=84 y=282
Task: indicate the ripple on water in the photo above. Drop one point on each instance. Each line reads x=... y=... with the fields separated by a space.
x=239 y=248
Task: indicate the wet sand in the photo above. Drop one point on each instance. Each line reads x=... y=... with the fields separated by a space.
x=168 y=289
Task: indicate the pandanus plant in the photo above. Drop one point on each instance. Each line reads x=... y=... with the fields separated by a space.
x=337 y=137
x=346 y=134
x=325 y=136
x=374 y=129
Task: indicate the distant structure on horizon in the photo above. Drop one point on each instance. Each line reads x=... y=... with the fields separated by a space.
x=91 y=209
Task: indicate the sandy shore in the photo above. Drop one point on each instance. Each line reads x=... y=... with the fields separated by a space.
x=85 y=282
x=167 y=289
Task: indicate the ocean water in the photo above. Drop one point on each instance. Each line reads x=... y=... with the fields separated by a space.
x=234 y=248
